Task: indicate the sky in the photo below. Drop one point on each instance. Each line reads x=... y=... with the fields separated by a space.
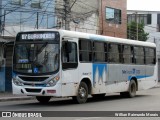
x=147 y=5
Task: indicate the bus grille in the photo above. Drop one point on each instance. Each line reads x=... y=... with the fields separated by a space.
x=33 y=79
x=33 y=90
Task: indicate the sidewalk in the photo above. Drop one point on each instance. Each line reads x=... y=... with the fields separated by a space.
x=6 y=96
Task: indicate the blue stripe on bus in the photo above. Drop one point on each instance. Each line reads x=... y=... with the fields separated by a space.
x=138 y=77
x=101 y=69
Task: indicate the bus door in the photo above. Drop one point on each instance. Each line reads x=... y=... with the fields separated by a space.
x=69 y=68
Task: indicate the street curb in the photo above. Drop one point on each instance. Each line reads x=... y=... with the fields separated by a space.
x=4 y=99
x=158 y=86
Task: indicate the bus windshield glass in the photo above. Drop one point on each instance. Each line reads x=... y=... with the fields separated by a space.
x=36 y=57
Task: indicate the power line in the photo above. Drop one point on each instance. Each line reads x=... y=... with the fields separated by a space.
x=73 y=4
x=15 y=9
x=43 y=14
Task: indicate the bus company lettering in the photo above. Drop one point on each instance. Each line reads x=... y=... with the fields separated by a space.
x=133 y=71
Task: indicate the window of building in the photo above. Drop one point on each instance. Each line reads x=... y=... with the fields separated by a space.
x=113 y=15
x=85 y=50
x=17 y=2
x=37 y=3
x=100 y=52
x=141 y=18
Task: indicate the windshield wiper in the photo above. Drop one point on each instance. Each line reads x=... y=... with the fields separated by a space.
x=42 y=47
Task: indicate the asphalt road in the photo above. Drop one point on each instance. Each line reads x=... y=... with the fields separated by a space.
x=148 y=100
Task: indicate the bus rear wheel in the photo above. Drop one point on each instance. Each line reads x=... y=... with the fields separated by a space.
x=43 y=99
x=131 y=91
x=82 y=94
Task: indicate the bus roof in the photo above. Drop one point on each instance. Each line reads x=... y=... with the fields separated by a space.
x=74 y=34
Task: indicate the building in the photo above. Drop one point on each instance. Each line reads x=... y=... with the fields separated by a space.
x=151 y=20
x=83 y=15
x=95 y=16
x=113 y=18
x=20 y=15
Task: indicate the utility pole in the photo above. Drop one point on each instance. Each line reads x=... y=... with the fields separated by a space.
x=4 y=22
x=137 y=24
x=101 y=2
x=66 y=13
x=37 y=20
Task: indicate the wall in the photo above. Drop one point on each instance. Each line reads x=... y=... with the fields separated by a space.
x=83 y=17
x=111 y=29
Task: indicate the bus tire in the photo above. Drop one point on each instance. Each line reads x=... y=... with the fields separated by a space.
x=43 y=99
x=132 y=89
x=82 y=94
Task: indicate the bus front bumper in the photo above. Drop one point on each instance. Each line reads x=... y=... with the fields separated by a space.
x=37 y=91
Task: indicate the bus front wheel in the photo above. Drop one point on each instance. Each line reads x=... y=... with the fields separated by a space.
x=43 y=99
x=82 y=94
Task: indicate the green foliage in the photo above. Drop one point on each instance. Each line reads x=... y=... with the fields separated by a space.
x=132 y=31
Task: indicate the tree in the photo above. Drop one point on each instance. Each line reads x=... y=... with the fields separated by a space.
x=132 y=31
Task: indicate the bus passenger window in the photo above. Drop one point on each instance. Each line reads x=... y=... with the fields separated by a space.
x=99 y=52
x=85 y=50
x=113 y=55
x=150 y=56
x=126 y=50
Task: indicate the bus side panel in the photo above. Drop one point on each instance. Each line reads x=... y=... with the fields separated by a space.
x=150 y=79
x=85 y=72
x=100 y=78
x=116 y=82
x=69 y=82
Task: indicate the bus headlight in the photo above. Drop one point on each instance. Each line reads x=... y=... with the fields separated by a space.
x=53 y=81
x=17 y=82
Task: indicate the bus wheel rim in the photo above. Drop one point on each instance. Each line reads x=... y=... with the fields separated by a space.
x=82 y=92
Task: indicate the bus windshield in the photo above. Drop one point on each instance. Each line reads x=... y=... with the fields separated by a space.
x=36 y=58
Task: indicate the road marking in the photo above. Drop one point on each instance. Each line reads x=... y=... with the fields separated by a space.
x=87 y=118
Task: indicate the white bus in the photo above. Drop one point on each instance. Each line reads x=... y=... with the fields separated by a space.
x=60 y=63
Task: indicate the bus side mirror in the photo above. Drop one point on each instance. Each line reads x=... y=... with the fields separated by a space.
x=68 y=47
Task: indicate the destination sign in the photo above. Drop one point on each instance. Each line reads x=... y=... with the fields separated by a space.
x=37 y=36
